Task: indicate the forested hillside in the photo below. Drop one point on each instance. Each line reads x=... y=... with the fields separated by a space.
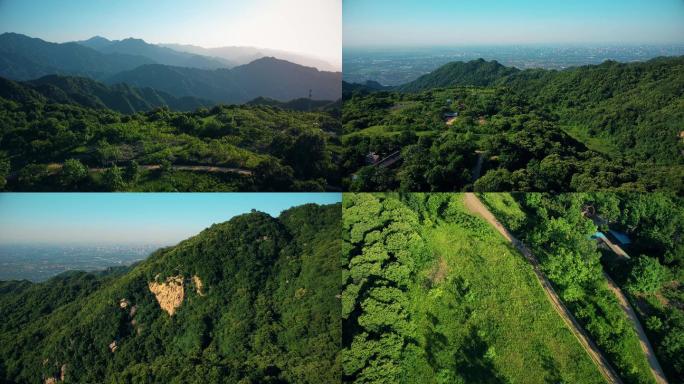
x=603 y=127
x=419 y=303
x=251 y=300
x=561 y=230
x=54 y=135
x=89 y=93
x=479 y=73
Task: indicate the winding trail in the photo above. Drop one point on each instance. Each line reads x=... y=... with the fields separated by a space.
x=474 y=204
x=53 y=168
x=194 y=168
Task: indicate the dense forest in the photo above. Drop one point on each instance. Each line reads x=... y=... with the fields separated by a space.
x=64 y=134
x=485 y=127
x=558 y=229
x=251 y=300
x=419 y=305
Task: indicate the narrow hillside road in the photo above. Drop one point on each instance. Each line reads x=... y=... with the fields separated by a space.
x=389 y=160
x=646 y=346
x=474 y=204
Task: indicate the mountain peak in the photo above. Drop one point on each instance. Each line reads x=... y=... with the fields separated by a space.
x=133 y=40
x=478 y=72
x=99 y=39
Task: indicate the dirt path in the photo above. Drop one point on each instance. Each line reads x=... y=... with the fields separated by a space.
x=646 y=346
x=474 y=204
x=55 y=167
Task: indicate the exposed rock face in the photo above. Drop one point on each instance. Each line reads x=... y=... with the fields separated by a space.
x=198 y=285
x=54 y=379
x=169 y=294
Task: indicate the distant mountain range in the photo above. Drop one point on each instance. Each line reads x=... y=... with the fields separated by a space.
x=179 y=78
x=245 y=55
x=26 y=58
x=159 y=54
x=266 y=77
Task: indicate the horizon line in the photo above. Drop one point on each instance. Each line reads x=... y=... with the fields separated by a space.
x=164 y=45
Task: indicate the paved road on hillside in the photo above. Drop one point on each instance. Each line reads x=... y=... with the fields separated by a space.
x=475 y=205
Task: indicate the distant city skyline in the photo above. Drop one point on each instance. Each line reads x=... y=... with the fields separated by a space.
x=414 y=23
x=131 y=218
x=311 y=27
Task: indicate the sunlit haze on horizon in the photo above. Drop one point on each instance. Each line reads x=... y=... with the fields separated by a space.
x=311 y=27
x=453 y=23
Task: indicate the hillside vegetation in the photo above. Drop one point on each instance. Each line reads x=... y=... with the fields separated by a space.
x=251 y=300
x=557 y=229
x=419 y=303
x=603 y=127
x=55 y=134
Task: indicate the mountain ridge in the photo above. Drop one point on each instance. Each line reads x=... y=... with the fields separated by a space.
x=266 y=77
x=157 y=53
x=19 y=52
x=245 y=54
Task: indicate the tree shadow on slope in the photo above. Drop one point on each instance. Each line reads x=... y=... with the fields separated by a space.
x=474 y=364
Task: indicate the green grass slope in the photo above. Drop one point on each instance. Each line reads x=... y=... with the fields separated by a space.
x=558 y=233
x=447 y=301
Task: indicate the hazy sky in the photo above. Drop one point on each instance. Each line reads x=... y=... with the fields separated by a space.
x=466 y=22
x=131 y=218
x=313 y=27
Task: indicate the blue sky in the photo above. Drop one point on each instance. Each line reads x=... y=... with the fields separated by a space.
x=470 y=22
x=313 y=27
x=131 y=218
